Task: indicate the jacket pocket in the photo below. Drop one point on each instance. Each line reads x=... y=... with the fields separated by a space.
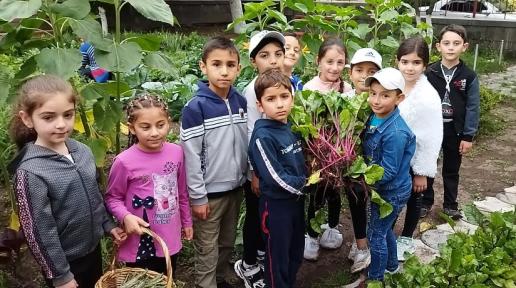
x=373 y=150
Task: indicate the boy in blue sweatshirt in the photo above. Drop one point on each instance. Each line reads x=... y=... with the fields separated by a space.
x=277 y=158
x=214 y=139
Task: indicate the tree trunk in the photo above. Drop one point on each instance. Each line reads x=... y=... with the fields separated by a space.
x=237 y=12
x=103 y=21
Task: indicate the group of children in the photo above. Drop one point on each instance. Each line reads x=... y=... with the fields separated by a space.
x=229 y=141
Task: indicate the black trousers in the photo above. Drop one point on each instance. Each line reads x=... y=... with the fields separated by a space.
x=86 y=270
x=157 y=264
x=450 y=171
x=414 y=206
x=282 y=223
x=358 y=210
x=252 y=237
x=319 y=195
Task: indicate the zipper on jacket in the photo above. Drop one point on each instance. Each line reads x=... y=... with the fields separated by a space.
x=234 y=138
x=92 y=222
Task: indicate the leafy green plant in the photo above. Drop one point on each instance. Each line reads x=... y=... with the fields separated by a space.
x=100 y=109
x=489 y=123
x=484 y=259
x=390 y=22
x=330 y=126
x=7 y=151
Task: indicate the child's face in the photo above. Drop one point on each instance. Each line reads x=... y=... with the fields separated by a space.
x=381 y=100
x=359 y=72
x=451 y=46
x=271 y=56
x=221 y=69
x=276 y=103
x=292 y=52
x=53 y=121
x=331 y=65
x=411 y=66
x=151 y=127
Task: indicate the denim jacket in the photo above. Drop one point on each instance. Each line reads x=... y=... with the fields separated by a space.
x=391 y=145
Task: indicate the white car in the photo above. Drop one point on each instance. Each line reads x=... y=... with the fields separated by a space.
x=465 y=8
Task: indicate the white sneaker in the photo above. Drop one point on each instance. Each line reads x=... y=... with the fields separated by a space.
x=353 y=251
x=510 y=189
x=311 y=248
x=361 y=261
x=507 y=197
x=398 y=270
x=252 y=276
x=331 y=239
x=404 y=244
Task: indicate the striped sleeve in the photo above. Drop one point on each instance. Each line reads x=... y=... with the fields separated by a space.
x=192 y=140
x=272 y=172
x=40 y=228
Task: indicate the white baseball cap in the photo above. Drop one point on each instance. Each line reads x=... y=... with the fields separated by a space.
x=390 y=78
x=257 y=39
x=367 y=55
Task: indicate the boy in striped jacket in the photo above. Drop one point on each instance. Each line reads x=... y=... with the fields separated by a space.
x=214 y=139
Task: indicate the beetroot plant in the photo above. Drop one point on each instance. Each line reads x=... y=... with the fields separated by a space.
x=330 y=125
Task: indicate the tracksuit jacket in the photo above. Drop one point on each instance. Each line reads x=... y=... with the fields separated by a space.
x=277 y=157
x=214 y=139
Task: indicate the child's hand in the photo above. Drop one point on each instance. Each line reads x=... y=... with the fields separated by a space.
x=133 y=224
x=419 y=183
x=255 y=185
x=464 y=147
x=188 y=233
x=118 y=235
x=70 y=284
x=201 y=212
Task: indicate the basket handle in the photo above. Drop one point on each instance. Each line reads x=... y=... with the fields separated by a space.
x=170 y=281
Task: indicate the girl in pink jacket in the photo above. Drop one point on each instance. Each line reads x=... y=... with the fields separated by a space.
x=147 y=187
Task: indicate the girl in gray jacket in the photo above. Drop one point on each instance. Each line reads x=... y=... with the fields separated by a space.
x=61 y=209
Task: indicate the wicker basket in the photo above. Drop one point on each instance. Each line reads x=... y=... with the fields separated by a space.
x=116 y=277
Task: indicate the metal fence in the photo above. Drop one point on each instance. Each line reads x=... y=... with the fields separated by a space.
x=498 y=9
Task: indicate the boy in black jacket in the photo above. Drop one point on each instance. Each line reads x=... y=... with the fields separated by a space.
x=458 y=88
x=277 y=158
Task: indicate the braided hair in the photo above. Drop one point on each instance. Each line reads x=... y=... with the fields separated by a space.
x=140 y=102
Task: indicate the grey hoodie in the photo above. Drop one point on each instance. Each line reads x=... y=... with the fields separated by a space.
x=61 y=209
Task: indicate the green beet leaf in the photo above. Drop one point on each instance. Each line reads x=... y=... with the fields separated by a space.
x=385 y=207
x=373 y=174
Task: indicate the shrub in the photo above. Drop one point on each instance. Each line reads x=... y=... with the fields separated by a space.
x=489 y=123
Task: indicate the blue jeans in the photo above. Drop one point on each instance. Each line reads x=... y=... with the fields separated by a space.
x=382 y=240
